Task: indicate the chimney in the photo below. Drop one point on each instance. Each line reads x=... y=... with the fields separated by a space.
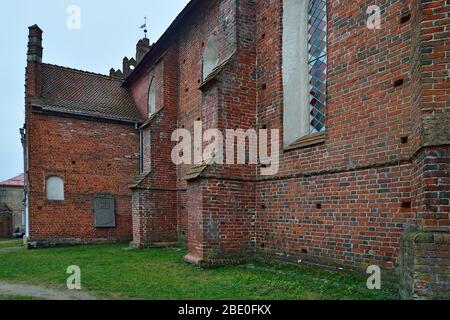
x=34 y=60
x=142 y=47
x=128 y=66
x=34 y=53
x=115 y=73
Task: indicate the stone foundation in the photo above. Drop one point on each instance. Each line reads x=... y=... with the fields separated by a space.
x=67 y=242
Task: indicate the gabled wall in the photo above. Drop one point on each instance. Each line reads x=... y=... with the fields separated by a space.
x=92 y=156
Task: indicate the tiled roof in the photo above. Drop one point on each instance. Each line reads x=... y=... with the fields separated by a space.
x=85 y=93
x=14 y=182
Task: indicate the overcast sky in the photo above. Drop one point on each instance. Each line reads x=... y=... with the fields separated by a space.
x=109 y=31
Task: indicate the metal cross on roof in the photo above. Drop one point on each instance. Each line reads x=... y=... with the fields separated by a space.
x=144 y=26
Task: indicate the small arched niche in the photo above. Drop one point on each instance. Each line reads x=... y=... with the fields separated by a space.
x=152 y=97
x=210 y=55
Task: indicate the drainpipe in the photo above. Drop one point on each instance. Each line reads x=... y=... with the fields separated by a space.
x=25 y=215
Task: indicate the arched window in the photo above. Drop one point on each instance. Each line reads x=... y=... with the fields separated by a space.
x=304 y=67
x=54 y=188
x=210 y=55
x=152 y=98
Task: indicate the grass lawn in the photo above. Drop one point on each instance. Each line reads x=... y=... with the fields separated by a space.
x=10 y=243
x=112 y=271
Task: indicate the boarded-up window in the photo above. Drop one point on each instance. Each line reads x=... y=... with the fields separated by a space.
x=54 y=187
x=104 y=211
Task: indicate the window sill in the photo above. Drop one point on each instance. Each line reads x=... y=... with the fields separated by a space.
x=139 y=179
x=214 y=74
x=151 y=118
x=195 y=172
x=52 y=203
x=307 y=141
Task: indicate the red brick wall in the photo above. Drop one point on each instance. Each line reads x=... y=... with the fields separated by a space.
x=180 y=72
x=360 y=176
x=154 y=216
x=221 y=220
x=382 y=119
x=221 y=224
x=182 y=215
x=191 y=43
x=140 y=89
x=431 y=189
x=424 y=266
x=91 y=157
x=366 y=115
x=195 y=238
x=155 y=209
x=382 y=170
x=350 y=218
x=425 y=248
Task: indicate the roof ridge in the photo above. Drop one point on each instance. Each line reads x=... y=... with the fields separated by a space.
x=74 y=91
x=14 y=181
x=100 y=75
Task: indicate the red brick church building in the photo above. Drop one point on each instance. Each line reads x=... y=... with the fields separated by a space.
x=363 y=116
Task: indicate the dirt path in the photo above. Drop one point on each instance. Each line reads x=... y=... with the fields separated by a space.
x=39 y=292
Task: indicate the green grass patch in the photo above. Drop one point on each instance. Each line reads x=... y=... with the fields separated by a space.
x=10 y=243
x=112 y=271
